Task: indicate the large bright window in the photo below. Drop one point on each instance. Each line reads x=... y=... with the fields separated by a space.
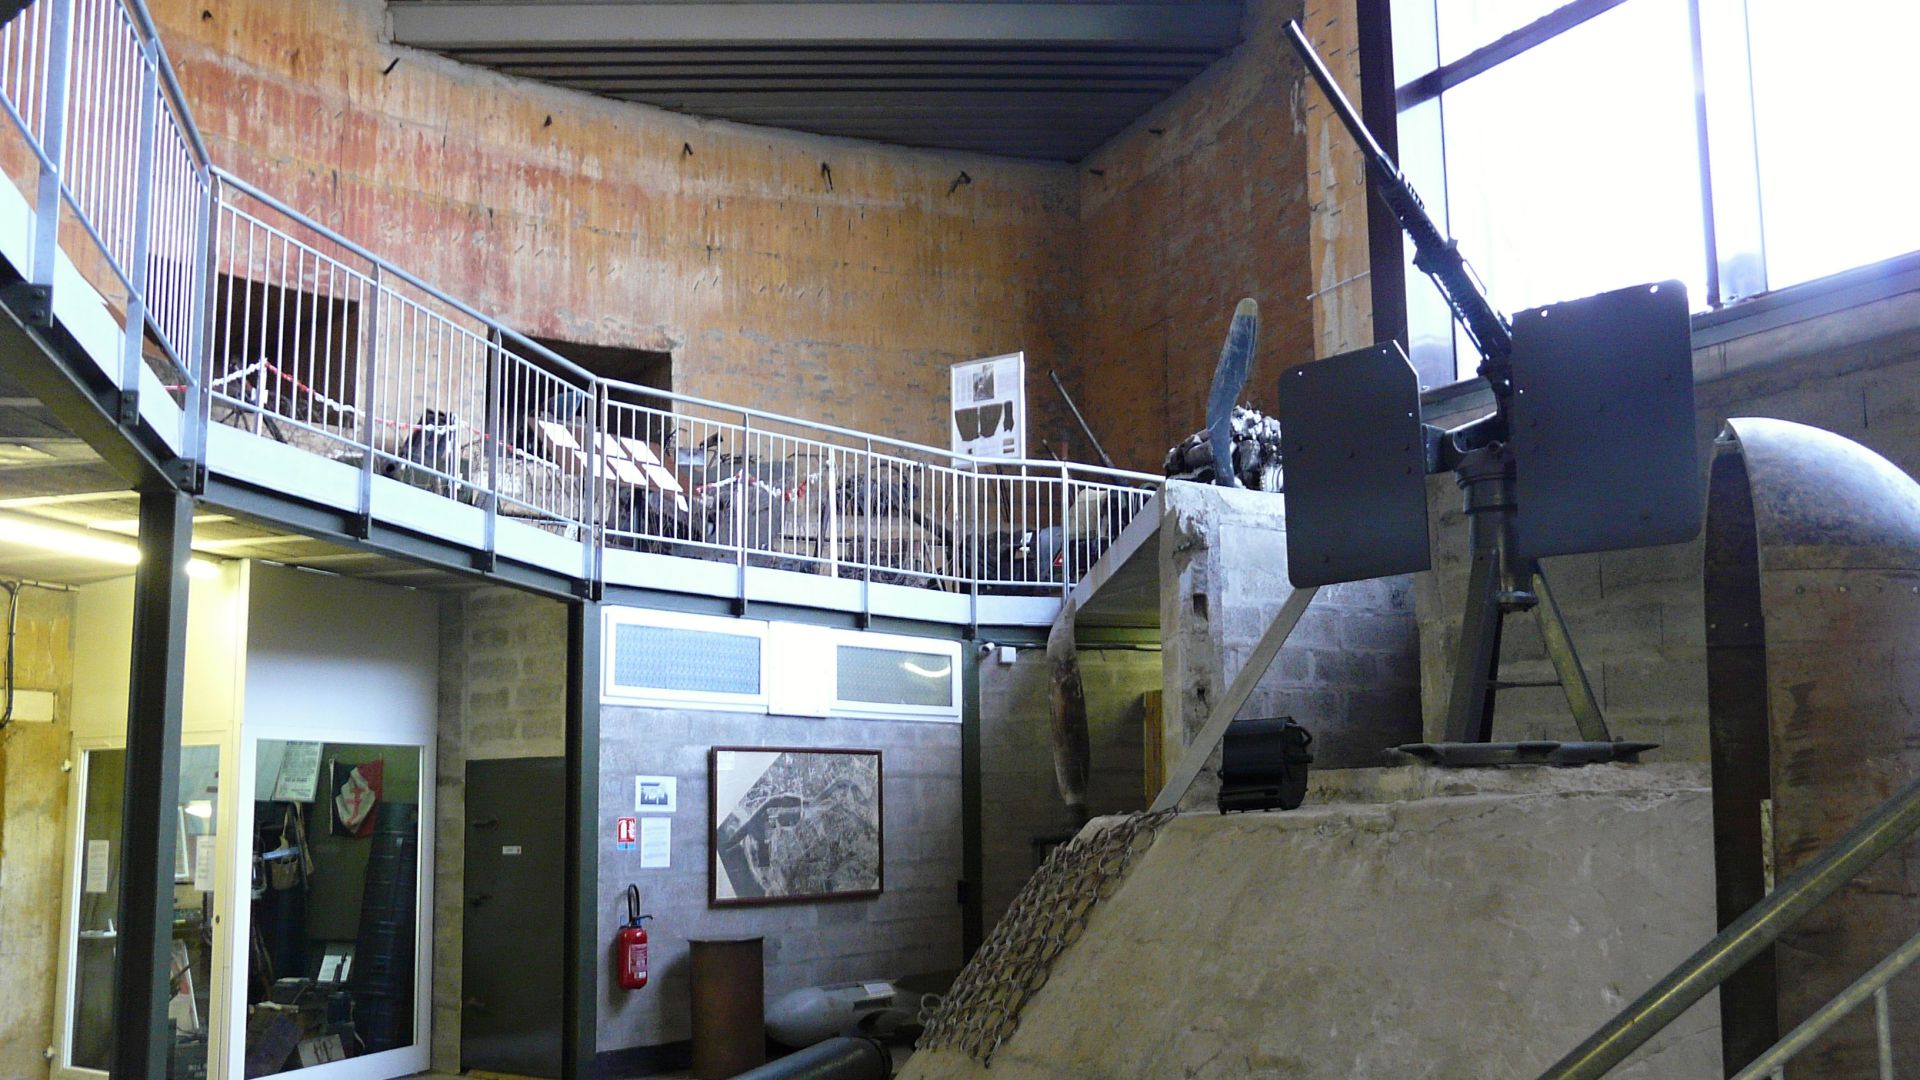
x=1739 y=146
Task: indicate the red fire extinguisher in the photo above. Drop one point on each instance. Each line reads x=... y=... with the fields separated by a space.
x=631 y=944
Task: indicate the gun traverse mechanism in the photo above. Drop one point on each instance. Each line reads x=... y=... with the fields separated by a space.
x=1558 y=466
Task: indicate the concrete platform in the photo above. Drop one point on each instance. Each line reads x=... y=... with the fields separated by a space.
x=1415 y=923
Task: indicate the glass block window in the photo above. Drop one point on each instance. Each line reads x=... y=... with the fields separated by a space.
x=894 y=677
x=676 y=659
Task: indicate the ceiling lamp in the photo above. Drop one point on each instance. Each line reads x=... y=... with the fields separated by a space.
x=80 y=543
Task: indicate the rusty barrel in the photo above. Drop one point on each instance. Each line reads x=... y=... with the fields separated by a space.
x=729 y=1026
x=1812 y=574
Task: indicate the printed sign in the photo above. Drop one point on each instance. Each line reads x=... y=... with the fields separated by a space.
x=626 y=834
x=989 y=407
x=656 y=794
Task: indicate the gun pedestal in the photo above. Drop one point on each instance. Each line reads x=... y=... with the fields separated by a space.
x=1500 y=584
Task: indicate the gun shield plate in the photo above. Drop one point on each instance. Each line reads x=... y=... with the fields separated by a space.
x=1355 y=467
x=1603 y=423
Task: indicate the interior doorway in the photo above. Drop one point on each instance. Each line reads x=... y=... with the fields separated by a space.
x=510 y=960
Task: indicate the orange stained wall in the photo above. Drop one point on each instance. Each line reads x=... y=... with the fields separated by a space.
x=1198 y=204
x=841 y=298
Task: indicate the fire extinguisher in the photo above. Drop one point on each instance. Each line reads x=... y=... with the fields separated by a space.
x=631 y=944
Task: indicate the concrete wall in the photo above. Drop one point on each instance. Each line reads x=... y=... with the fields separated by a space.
x=1458 y=926
x=607 y=223
x=1638 y=616
x=1017 y=786
x=33 y=830
x=1348 y=672
x=1196 y=205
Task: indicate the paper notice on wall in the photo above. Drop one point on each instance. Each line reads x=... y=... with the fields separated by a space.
x=656 y=843
x=96 y=875
x=203 y=864
x=299 y=773
x=988 y=402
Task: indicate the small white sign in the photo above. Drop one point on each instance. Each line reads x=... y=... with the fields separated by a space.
x=96 y=876
x=656 y=843
x=203 y=864
x=510 y=849
x=299 y=773
x=656 y=794
x=988 y=407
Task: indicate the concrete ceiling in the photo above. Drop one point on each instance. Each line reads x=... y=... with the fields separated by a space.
x=1032 y=80
x=49 y=479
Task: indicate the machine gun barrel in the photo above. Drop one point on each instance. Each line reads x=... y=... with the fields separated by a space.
x=1434 y=254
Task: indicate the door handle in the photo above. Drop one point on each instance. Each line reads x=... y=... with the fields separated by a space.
x=484 y=823
x=479 y=899
x=475 y=1004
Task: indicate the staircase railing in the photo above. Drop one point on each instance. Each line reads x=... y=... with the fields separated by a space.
x=256 y=316
x=1892 y=822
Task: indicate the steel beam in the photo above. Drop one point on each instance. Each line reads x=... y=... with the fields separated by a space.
x=972 y=886
x=580 y=928
x=440 y=24
x=151 y=798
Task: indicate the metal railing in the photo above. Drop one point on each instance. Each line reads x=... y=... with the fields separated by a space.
x=1891 y=823
x=256 y=316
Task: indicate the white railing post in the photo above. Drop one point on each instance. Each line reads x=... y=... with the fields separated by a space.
x=53 y=140
x=1066 y=545
x=136 y=328
x=492 y=431
x=199 y=355
x=742 y=468
x=866 y=532
x=370 y=410
x=594 y=539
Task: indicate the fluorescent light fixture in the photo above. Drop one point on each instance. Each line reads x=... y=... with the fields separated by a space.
x=80 y=543
x=200 y=808
x=941 y=672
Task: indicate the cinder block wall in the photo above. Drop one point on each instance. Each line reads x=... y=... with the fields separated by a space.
x=1017 y=786
x=33 y=833
x=1638 y=616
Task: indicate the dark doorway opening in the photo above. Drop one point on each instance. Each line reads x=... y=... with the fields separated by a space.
x=510 y=936
x=649 y=368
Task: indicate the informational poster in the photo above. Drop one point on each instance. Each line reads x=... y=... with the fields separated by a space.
x=989 y=407
x=656 y=843
x=656 y=794
x=96 y=875
x=203 y=864
x=299 y=773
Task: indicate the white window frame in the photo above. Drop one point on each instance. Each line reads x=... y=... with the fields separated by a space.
x=615 y=693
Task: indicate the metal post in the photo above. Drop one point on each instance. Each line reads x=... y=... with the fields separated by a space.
x=1488 y=484
x=370 y=404
x=1566 y=661
x=866 y=501
x=580 y=929
x=742 y=470
x=131 y=359
x=494 y=432
x=152 y=789
x=199 y=358
x=973 y=928
x=594 y=541
x=53 y=139
x=1066 y=548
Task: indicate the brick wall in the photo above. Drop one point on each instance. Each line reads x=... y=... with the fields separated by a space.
x=1638 y=616
x=1198 y=204
x=595 y=221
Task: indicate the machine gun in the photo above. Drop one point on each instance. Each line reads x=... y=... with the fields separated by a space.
x=1590 y=447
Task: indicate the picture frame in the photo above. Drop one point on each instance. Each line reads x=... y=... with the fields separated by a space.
x=791 y=824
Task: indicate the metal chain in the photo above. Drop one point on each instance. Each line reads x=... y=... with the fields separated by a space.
x=982 y=1010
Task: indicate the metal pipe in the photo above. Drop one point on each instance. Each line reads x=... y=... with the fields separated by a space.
x=1871 y=985
x=848 y=1057
x=1084 y=426
x=1889 y=824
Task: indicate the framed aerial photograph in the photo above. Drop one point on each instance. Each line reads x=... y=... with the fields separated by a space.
x=789 y=824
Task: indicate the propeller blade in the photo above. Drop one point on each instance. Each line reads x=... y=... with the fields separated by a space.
x=1229 y=377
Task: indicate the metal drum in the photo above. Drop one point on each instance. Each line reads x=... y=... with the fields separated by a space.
x=1813 y=681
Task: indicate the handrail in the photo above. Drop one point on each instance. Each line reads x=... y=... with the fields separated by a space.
x=1871 y=985
x=1890 y=823
x=546 y=354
